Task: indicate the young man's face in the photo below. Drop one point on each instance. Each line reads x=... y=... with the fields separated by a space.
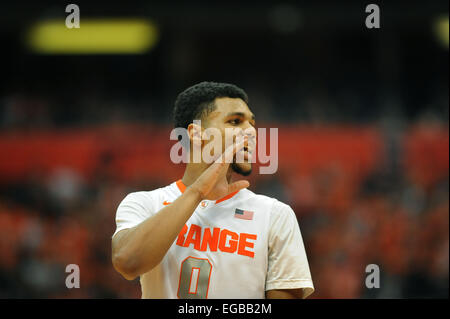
x=234 y=113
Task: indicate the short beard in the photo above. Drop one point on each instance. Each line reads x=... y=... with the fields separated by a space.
x=237 y=169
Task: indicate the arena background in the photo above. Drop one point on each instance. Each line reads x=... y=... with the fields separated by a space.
x=363 y=134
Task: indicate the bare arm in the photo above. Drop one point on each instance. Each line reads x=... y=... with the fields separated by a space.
x=137 y=250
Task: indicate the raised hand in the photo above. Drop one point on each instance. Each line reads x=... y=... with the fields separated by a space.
x=213 y=183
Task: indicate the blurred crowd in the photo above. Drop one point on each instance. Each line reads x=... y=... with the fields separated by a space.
x=364 y=144
x=394 y=215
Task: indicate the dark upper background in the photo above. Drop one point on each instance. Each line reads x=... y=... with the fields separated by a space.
x=310 y=68
x=283 y=53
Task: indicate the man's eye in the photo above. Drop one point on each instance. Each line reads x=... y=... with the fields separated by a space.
x=234 y=121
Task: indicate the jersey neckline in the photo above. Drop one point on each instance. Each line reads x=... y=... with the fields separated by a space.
x=182 y=188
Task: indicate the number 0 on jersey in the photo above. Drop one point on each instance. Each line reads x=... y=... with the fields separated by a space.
x=195 y=274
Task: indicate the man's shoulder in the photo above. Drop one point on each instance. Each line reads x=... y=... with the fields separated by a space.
x=277 y=211
x=157 y=194
x=263 y=200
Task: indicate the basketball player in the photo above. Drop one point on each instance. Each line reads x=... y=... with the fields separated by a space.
x=206 y=236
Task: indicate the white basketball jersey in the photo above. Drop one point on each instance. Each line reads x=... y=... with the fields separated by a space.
x=236 y=247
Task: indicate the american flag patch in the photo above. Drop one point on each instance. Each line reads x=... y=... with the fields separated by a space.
x=243 y=214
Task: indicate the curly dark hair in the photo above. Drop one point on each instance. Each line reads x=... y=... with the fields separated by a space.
x=197 y=101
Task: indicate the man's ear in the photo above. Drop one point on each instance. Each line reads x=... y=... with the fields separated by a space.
x=195 y=133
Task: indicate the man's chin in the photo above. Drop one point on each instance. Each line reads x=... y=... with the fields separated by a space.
x=243 y=169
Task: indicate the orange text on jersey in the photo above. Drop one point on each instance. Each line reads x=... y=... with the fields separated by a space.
x=217 y=240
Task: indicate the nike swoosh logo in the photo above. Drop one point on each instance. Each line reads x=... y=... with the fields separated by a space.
x=166 y=203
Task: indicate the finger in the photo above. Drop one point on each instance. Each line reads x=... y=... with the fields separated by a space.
x=236 y=186
x=227 y=156
x=251 y=144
